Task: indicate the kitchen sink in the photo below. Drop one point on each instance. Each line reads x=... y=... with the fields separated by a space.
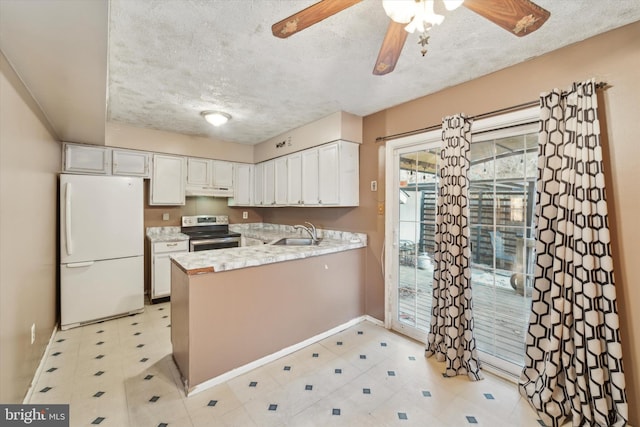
x=296 y=241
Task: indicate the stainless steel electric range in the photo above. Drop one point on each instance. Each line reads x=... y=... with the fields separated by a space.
x=207 y=232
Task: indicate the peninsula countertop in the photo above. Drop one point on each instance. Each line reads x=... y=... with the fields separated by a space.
x=256 y=255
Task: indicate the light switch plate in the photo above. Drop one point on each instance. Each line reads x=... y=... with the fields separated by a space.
x=165 y=217
x=374 y=185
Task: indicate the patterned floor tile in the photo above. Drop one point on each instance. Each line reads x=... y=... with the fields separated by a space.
x=121 y=373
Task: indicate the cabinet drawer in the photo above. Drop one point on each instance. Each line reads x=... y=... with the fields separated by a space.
x=161 y=247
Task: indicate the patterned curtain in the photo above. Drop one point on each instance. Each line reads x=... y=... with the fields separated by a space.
x=573 y=363
x=451 y=335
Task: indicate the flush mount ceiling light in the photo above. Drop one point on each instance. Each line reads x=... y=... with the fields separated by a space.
x=216 y=118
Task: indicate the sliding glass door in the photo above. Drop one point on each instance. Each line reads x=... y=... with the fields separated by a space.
x=413 y=200
x=502 y=192
x=502 y=197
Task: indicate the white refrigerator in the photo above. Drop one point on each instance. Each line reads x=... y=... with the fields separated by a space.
x=101 y=248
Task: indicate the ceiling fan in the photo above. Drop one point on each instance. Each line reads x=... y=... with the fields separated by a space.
x=519 y=17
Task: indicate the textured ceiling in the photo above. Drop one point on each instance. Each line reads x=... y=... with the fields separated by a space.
x=169 y=60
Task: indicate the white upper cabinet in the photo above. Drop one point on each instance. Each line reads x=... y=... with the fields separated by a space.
x=199 y=172
x=86 y=159
x=329 y=175
x=168 y=180
x=280 y=177
x=243 y=185
x=258 y=184
x=130 y=163
x=207 y=177
x=310 y=177
x=349 y=173
x=294 y=179
x=269 y=183
x=222 y=174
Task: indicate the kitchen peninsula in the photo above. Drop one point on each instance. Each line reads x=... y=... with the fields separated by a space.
x=233 y=309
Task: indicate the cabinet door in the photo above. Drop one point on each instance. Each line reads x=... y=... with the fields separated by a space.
x=222 y=174
x=280 y=176
x=86 y=159
x=310 y=177
x=258 y=184
x=161 y=280
x=243 y=184
x=130 y=163
x=199 y=171
x=349 y=174
x=329 y=174
x=294 y=179
x=168 y=180
x=269 y=177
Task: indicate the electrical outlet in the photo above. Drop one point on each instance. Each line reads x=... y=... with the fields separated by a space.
x=33 y=333
x=165 y=216
x=374 y=185
x=245 y=215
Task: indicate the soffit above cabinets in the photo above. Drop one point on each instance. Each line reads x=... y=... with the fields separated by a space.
x=59 y=50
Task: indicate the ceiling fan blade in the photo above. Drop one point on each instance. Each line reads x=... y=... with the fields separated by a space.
x=391 y=47
x=309 y=16
x=519 y=17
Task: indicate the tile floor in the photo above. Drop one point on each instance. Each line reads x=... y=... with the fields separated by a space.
x=120 y=373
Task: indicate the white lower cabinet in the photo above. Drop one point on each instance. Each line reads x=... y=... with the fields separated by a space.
x=161 y=266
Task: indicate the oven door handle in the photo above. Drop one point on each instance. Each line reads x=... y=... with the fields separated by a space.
x=216 y=240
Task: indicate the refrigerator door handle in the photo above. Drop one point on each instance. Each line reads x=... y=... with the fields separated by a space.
x=80 y=264
x=67 y=218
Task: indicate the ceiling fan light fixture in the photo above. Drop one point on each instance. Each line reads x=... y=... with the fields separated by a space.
x=452 y=4
x=424 y=18
x=400 y=11
x=216 y=118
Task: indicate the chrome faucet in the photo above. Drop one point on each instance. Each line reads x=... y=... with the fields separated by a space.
x=311 y=230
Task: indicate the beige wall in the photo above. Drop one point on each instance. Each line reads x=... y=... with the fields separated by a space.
x=235 y=317
x=125 y=136
x=29 y=162
x=339 y=125
x=613 y=57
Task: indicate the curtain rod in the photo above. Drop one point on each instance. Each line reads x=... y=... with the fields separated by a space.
x=599 y=85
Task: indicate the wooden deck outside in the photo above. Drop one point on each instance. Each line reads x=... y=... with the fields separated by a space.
x=501 y=315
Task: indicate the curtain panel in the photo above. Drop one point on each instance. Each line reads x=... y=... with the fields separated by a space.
x=451 y=336
x=573 y=363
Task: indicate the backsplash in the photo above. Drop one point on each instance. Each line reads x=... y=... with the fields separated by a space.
x=259 y=228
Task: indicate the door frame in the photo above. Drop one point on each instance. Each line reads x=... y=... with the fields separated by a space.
x=481 y=129
x=392 y=220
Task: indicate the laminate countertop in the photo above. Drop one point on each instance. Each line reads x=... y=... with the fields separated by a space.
x=255 y=255
x=165 y=234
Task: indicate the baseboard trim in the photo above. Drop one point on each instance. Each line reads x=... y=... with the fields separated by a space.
x=36 y=375
x=274 y=356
